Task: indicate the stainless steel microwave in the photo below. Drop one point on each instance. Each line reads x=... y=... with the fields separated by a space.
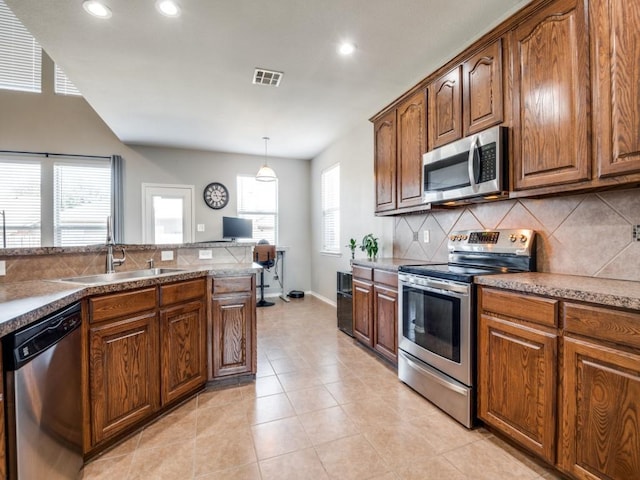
x=474 y=166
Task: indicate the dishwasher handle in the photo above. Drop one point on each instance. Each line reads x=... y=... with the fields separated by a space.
x=22 y=346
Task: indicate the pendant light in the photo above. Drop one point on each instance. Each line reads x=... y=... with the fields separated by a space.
x=266 y=173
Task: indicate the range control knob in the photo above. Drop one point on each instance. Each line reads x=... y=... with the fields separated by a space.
x=452 y=238
x=464 y=237
x=512 y=237
x=523 y=238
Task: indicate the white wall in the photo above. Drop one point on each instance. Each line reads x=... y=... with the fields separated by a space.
x=57 y=124
x=354 y=151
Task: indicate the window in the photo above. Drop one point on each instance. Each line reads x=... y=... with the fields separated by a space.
x=82 y=202
x=20 y=203
x=64 y=86
x=55 y=200
x=259 y=202
x=20 y=55
x=331 y=209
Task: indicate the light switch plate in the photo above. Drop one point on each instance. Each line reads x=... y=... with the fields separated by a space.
x=201 y=227
x=3 y=268
x=205 y=254
x=425 y=236
x=166 y=255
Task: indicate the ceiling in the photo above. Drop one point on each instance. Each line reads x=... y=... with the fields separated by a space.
x=187 y=82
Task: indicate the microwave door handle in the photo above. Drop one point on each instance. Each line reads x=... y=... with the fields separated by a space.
x=474 y=162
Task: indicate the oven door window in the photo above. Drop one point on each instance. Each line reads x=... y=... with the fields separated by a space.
x=432 y=321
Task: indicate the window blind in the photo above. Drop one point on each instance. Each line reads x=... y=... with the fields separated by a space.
x=20 y=202
x=258 y=201
x=64 y=86
x=81 y=201
x=20 y=55
x=330 y=192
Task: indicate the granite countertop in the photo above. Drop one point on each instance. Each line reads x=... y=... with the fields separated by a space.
x=389 y=264
x=22 y=303
x=613 y=293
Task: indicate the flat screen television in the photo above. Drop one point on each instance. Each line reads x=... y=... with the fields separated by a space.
x=234 y=228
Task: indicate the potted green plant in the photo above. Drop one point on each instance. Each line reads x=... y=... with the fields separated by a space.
x=370 y=245
x=352 y=246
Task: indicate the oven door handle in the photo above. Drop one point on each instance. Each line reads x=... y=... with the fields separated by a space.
x=437 y=286
x=435 y=376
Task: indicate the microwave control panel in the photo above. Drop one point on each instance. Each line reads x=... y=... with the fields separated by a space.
x=487 y=163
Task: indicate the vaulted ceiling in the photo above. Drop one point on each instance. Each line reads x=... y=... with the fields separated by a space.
x=187 y=81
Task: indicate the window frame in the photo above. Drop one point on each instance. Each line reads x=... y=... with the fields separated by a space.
x=248 y=213
x=327 y=210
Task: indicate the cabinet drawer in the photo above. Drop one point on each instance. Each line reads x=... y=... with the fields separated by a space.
x=603 y=323
x=363 y=273
x=386 y=278
x=121 y=304
x=181 y=292
x=543 y=311
x=232 y=284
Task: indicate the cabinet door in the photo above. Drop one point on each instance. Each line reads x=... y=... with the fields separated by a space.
x=3 y=458
x=601 y=412
x=385 y=331
x=411 y=145
x=445 y=109
x=232 y=337
x=482 y=103
x=123 y=374
x=385 y=162
x=517 y=383
x=551 y=97
x=615 y=35
x=363 y=311
x=183 y=352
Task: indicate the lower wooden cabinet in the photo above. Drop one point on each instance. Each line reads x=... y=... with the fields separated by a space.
x=233 y=329
x=183 y=352
x=362 y=292
x=3 y=453
x=517 y=378
x=375 y=310
x=601 y=411
x=587 y=363
x=146 y=349
x=385 y=331
x=123 y=374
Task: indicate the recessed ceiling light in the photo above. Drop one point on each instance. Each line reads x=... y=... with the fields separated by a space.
x=346 y=48
x=168 y=8
x=97 y=9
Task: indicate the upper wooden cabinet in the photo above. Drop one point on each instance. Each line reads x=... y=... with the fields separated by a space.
x=400 y=140
x=445 y=109
x=411 y=144
x=551 y=97
x=482 y=93
x=384 y=131
x=615 y=41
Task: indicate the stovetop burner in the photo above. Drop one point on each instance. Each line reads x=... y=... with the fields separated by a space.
x=459 y=273
x=482 y=252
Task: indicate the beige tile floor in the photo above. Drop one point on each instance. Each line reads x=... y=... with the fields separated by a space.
x=321 y=408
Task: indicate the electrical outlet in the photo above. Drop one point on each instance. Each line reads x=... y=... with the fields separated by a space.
x=425 y=236
x=415 y=236
x=205 y=254
x=166 y=255
x=275 y=277
x=636 y=233
x=201 y=227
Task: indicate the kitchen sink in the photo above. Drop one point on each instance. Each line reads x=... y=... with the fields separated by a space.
x=113 y=277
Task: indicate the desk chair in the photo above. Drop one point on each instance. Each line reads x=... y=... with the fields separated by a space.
x=264 y=255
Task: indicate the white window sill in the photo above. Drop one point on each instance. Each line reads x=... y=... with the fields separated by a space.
x=330 y=254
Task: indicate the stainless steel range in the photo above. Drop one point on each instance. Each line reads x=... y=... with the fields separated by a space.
x=437 y=328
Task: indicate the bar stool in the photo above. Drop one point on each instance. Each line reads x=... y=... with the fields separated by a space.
x=264 y=255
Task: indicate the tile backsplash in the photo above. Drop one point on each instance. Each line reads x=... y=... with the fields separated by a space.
x=590 y=234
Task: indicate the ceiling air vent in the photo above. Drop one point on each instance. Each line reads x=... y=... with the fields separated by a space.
x=267 y=77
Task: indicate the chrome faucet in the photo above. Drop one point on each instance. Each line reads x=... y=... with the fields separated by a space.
x=112 y=262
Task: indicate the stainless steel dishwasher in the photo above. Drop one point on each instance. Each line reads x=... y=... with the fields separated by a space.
x=44 y=407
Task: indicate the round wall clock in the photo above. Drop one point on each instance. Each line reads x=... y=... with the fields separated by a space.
x=216 y=195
